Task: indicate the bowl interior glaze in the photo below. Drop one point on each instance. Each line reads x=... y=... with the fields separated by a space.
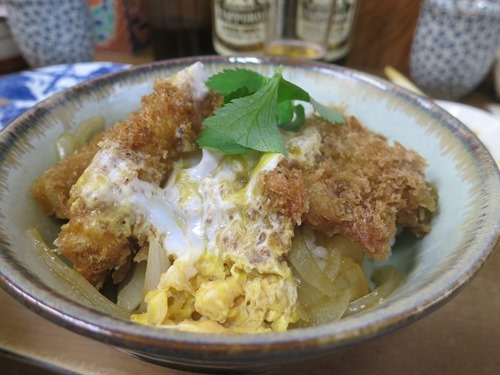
x=465 y=228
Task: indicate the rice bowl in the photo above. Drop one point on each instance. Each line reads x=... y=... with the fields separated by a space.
x=434 y=268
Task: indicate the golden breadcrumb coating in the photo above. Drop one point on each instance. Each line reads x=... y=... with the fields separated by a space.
x=97 y=239
x=285 y=191
x=361 y=187
x=51 y=190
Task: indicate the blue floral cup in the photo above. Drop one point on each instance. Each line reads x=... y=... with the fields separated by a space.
x=49 y=32
x=454 y=46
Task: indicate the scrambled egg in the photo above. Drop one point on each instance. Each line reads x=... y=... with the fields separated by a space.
x=226 y=248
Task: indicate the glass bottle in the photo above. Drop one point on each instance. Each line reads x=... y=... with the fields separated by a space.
x=299 y=28
x=239 y=26
x=341 y=29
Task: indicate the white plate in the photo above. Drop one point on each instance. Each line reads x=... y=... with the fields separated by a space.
x=482 y=123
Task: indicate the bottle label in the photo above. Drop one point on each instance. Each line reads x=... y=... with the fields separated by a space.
x=313 y=17
x=343 y=19
x=241 y=23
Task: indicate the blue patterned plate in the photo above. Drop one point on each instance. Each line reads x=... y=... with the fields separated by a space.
x=21 y=91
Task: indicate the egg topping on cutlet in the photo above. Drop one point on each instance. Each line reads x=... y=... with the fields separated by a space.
x=217 y=226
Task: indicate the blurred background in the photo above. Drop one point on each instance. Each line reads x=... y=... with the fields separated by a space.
x=365 y=35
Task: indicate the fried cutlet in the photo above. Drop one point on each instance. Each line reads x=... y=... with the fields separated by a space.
x=97 y=237
x=51 y=190
x=347 y=180
x=361 y=187
x=285 y=191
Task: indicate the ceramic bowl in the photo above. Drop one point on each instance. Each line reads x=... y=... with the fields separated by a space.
x=435 y=268
x=496 y=73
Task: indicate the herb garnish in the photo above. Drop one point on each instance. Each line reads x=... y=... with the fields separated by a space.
x=254 y=109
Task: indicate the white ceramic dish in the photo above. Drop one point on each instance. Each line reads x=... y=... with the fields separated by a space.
x=465 y=228
x=483 y=124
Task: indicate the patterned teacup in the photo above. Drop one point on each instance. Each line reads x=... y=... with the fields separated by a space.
x=50 y=32
x=454 y=46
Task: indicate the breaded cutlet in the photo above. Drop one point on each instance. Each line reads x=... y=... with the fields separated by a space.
x=97 y=239
x=363 y=188
x=51 y=190
x=348 y=181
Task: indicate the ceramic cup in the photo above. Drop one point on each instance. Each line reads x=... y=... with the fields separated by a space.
x=454 y=46
x=49 y=32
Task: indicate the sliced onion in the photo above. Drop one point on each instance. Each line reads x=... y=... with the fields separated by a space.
x=347 y=248
x=333 y=264
x=82 y=289
x=307 y=294
x=303 y=317
x=321 y=309
x=341 y=289
x=158 y=263
x=65 y=145
x=87 y=129
x=388 y=279
x=129 y=295
x=328 y=309
x=355 y=278
x=303 y=261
